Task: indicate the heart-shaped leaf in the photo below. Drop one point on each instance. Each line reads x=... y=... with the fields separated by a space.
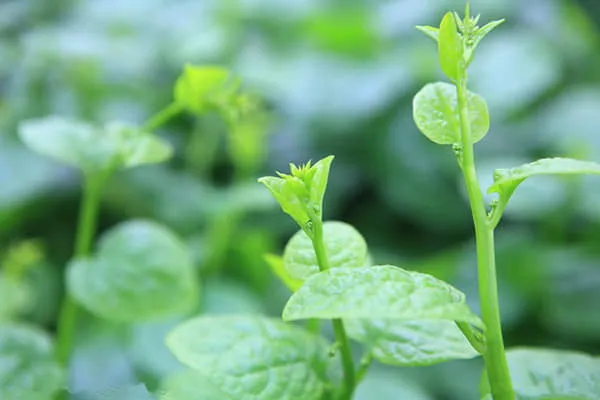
x=141 y=271
x=435 y=111
x=378 y=292
x=253 y=357
x=91 y=148
x=507 y=180
x=545 y=374
x=27 y=367
x=344 y=245
x=411 y=343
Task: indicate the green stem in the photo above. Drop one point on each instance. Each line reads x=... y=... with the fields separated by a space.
x=338 y=325
x=494 y=356
x=88 y=213
x=161 y=117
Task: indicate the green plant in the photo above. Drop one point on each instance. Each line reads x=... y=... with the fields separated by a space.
x=140 y=270
x=400 y=317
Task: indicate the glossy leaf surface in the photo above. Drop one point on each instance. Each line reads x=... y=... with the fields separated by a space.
x=344 y=245
x=435 y=111
x=378 y=292
x=252 y=357
x=411 y=343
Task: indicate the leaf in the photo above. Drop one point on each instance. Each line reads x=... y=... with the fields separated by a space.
x=92 y=148
x=277 y=266
x=386 y=384
x=552 y=374
x=430 y=31
x=141 y=271
x=378 y=292
x=344 y=245
x=450 y=48
x=27 y=367
x=435 y=111
x=190 y=385
x=201 y=88
x=411 y=343
x=252 y=357
x=507 y=180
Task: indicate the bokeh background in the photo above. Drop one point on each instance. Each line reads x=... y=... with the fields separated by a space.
x=337 y=77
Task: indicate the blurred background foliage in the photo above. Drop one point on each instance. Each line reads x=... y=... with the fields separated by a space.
x=337 y=77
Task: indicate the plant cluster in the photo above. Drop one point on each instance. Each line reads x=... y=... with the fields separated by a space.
x=140 y=270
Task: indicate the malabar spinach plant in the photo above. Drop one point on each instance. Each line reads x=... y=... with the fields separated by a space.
x=399 y=317
x=139 y=270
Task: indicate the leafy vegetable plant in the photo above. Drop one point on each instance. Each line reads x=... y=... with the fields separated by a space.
x=400 y=317
x=139 y=270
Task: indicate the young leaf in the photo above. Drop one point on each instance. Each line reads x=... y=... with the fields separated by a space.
x=507 y=180
x=301 y=193
x=430 y=31
x=277 y=266
x=478 y=35
x=92 y=148
x=450 y=48
x=190 y=385
x=200 y=88
x=141 y=271
x=411 y=343
x=27 y=366
x=345 y=247
x=551 y=374
x=378 y=292
x=252 y=357
x=435 y=111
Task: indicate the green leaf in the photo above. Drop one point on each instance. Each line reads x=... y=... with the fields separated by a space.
x=301 y=193
x=190 y=385
x=411 y=343
x=435 y=111
x=388 y=384
x=141 y=271
x=92 y=148
x=378 y=292
x=277 y=266
x=252 y=357
x=551 y=374
x=450 y=48
x=344 y=245
x=430 y=31
x=507 y=180
x=478 y=35
x=202 y=88
x=27 y=366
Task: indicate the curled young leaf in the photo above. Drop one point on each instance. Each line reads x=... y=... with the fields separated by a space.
x=450 y=48
x=253 y=357
x=138 y=268
x=378 y=292
x=200 y=88
x=411 y=343
x=27 y=366
x=344 y=245
x=92 y=148
x=435 y=111
x=551 y=374
x=430 y=31
x=507 y=180
x=300 y=194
